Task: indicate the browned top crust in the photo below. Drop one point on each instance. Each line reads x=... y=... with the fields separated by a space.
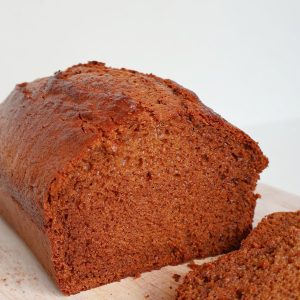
x=47 y=123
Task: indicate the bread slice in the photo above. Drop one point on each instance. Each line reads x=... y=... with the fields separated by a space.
x=266 y=267
x=107 y=173
x=271 y=227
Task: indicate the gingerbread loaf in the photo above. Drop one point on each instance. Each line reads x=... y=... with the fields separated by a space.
x=266 y=267
x=107 y=173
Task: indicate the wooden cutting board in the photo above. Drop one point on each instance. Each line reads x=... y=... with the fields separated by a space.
x=22 y=277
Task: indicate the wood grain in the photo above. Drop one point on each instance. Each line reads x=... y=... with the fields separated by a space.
x=22 y=277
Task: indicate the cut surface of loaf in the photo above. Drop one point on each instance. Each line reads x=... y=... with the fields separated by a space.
x=266 y=267
x=118 y=172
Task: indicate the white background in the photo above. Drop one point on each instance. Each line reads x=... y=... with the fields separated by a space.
x=241 y=57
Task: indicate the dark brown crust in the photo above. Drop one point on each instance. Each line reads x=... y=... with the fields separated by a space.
x=49 y=131
x=33 y=235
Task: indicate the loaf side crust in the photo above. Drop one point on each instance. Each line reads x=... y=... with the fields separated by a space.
x=27 y=229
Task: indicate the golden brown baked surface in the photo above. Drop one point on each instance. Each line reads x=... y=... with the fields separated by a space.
x=266 y=267
x=124 y=172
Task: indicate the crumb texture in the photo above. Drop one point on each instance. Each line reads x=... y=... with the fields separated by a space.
x=124 y=172
x=266 y=267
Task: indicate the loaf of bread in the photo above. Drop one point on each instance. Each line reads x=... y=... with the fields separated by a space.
x=266 y=267
x=106 y=173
